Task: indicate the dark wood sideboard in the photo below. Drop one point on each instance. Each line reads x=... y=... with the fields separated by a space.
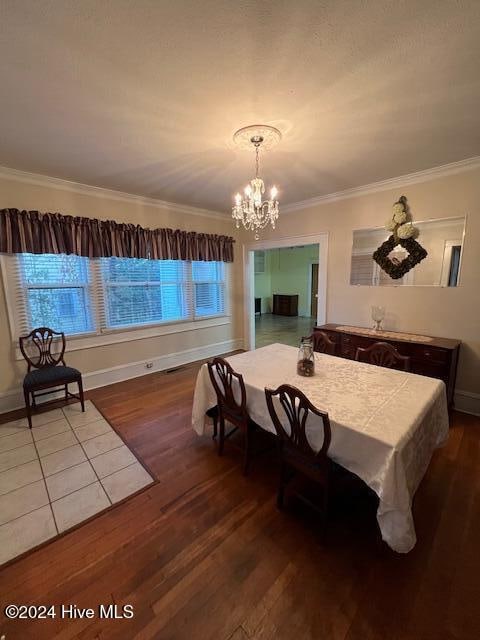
x=284 y=305
x=437 y=358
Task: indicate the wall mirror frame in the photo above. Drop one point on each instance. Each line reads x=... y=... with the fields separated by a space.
x=444 y=240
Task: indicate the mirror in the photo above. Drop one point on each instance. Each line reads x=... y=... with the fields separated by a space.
x=443 y=240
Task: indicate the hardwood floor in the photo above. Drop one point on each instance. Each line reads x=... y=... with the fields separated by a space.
x=205 y=553
x=270 y=328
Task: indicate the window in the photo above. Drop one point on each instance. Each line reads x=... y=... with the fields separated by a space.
x=259 y=261
x=139 y=292
x=82 y=296
x=56 y=292
x=209 y=288
x=362 y=269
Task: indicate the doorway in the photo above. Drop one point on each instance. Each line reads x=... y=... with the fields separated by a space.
x=285 y=289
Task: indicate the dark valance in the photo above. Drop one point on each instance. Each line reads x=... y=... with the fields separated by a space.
x=34 y=232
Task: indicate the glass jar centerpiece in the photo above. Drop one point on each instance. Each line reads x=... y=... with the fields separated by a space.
x=306 y=358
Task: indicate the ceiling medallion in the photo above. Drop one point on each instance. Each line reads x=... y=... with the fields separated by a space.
x=403 y=234
x=250 y=209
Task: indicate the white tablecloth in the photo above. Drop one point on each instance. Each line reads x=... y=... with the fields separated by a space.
x=385 y=423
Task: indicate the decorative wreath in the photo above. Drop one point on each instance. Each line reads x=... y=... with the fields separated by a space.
x=403 y=234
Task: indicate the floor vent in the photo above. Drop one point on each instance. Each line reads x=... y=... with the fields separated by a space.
x=173 y=369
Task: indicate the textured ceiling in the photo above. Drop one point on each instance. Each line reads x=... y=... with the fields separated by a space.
x=143 y=95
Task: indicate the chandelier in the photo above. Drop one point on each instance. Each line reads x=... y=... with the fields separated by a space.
x=251 y=209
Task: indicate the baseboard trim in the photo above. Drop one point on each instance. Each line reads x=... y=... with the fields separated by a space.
x=10 y=400
x=467 y=402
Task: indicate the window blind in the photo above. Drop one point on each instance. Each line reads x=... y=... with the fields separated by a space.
x=139 y=292
x=209 y=288
x=259 y=261
x=79 y=295
x=362 y=269
x=55 y=291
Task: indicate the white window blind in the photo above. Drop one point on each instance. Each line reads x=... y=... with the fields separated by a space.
x=259 y=261
x=81 y=296
x=55 y=291
x=140 y=292
x=362 y=270
x=209 y=288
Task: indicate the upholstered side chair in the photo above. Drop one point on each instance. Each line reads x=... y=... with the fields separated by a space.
x=47 y=371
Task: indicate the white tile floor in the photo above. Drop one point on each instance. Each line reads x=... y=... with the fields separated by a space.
x=70 y=466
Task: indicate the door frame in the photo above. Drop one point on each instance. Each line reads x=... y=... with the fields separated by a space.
x=309 y=290
x=249 y=277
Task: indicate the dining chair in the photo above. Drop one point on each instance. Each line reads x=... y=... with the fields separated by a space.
x=231 y=407
x=322 y=343
x=46 y=368
x=298 y=458
x=383 y=354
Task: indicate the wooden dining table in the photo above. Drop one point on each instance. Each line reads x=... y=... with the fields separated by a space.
x=385 y=423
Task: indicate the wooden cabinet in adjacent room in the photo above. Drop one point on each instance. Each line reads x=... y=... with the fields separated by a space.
x=434 y=357
x=284 y=305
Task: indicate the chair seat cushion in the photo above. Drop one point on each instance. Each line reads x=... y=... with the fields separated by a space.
x=50 y=376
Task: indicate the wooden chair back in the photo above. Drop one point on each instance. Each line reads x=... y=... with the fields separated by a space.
x=36 y=348
x=383 y=354
x=231 y=401
x=322 y=343
x=297 y=408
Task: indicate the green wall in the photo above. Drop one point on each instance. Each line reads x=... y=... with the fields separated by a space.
x=287 y=272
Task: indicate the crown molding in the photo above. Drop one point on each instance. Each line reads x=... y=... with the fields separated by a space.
x=391 y=183
x=103 y=193
x=425 y=175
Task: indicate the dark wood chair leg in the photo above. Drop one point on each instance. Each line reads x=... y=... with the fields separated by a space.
x=66 y=393
x=28 y=407
x=215 y=426
x=80 y=393
x=221 y=439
